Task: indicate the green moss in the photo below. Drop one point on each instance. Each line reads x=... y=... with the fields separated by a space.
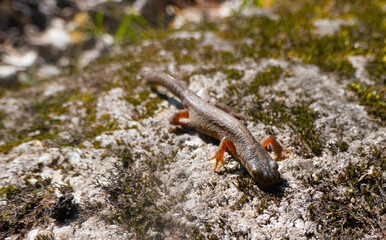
x=292 y=35
x=377 y=68
x=53 y=103
x=133 y=195
x=227 y=57
x=151 y=107
x=111 y=59
x=341 y=67
x=213 y=237
x=266 y=78
x=303 y=123
x=27 y=206
x=299 y=118
x=358 y=210
x=44 y=237
x=2 y=116
x=9 y=191
x=240 y=203
x=210 y=55
x=134 y=67
x=207 y=53
x=250 y=190
x=39 y=181
x=234 y=73
x=139 y=98
x=39 y=131
x=92 y=126
x=179 y=44
x=374 y=100
x=184 y=58
x=43 y=126
x=5 y=148
x=183 y=49
x=275 y=114
x=145 y=106
x=125 y=156
x=203 y=26
x=200 y=236
x=105 y=124
x=97 y=144
x=340 y=146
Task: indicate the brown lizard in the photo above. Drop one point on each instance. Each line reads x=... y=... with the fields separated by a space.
x=218 y=123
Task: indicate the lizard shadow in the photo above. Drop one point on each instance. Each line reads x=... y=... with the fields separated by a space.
x=171 y=100
x=277 y=190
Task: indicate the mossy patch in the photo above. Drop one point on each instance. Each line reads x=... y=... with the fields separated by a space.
x=183 y=49
x=221 y=226
x=292 y=35
x=9 y=191
x=45 y=237
x=233 y=73
x=144 y=106
x=357 y=207
x=302 y=122
x=134 y=199
x=103 y=124
x=250 y=190
x=27 y=206
x=341 y=67
x=53 y=103
x=219 y=57
x=2 y=116
x=65 y=208
x=338 y=146
x=266 y=78
x=134 y=67
x=299 y=118
x=374 y=100
x=43 y=126
x=134 y=194
x=377 y=68
x=105 y=60
x=138 y=98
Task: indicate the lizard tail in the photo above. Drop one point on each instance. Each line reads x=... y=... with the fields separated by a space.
x=176 y=87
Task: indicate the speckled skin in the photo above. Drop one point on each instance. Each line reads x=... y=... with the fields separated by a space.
x=215 y=122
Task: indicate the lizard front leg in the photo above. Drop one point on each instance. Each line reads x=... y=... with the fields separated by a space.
x=276 y=147
x=224 y=144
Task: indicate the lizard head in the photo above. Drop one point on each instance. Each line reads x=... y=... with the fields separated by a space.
x=263 y=170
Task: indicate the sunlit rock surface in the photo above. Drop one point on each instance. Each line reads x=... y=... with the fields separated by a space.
x=102 y=136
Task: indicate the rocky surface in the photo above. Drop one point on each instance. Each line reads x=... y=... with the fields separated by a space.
x=89 y=155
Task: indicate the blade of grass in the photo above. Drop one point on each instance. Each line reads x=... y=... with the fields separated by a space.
x=99 y=22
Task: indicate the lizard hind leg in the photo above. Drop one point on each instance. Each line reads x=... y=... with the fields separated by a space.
x=175 y=119
x=224 y=144
x=228 y=110
x=276 y=147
